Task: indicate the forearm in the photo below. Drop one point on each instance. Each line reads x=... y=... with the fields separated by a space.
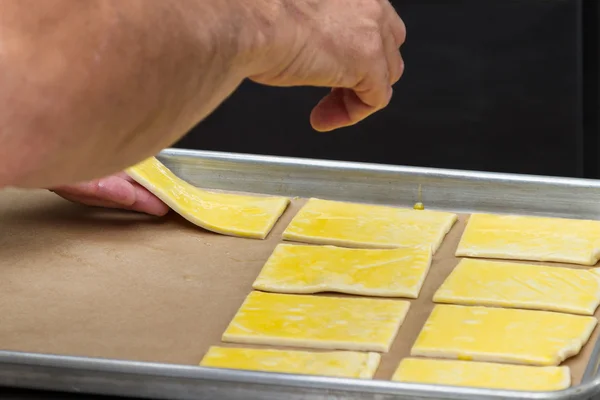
x=84 y=82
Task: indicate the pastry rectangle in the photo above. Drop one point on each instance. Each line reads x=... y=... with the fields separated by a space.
x=369 y=272
x=502 y=335
x=483 y=375
x=516 y=237
x=225 y=213
x=368 y=226
x=514 y=285
x=318 y=322
x=345 y=364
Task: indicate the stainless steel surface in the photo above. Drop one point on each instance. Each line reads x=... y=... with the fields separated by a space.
x=459 y=191
x=452 y=190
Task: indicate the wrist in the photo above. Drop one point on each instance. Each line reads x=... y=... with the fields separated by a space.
x=261 y=35
x=216 y=29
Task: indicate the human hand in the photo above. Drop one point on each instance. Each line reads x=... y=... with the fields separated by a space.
x=115 y=191
x=351 y=46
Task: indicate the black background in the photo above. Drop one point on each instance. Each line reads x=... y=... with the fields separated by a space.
x=496 y=85
x=493 y=85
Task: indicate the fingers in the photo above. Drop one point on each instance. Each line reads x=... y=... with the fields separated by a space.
x=393 y=58
x=393 y=36
x=88 y=200
x=340 y=108
x=375 y=89
x=345 y=107
x=397 y=26
x=114 y=189
x=153 y=207
x=147 y=202
x=114 y=192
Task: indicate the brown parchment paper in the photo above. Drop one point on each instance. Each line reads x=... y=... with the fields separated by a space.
x=101 y=283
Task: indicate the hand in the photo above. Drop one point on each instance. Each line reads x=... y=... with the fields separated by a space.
x=116 y=191
x=351 y=46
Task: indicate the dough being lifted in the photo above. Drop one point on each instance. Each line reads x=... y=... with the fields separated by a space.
x=368 y=226
x=516 y=237
x=317 y=322
x=536 y=287
x=483 y=375
x=313 y=269
x=225 y=213
x=345 y=364
x=502 y=335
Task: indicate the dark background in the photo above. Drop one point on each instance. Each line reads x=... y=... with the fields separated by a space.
x=495 y=85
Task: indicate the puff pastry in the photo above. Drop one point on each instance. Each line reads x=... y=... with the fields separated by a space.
x=531 y=238
x=502 y=335
x=368 y=226
x=507 y=284
x=318 y=322
x=345 y=364
x=482 y=375
x=224 y=213
x=313 y=269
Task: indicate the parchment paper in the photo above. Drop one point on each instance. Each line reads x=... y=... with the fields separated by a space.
x=92 y=282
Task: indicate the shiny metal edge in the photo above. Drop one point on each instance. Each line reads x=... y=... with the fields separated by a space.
x=591 y=371
x=167 y=381
x=446 y=189
x=195 y=156
x=460 y=191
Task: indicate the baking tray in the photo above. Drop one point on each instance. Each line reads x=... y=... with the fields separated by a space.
x=458 y=191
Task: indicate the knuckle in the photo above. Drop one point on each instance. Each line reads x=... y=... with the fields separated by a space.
x=400 y=69
x=372 y=49
x=397 y=67
x=401 y=35
x=374 y=9
x=402 y=32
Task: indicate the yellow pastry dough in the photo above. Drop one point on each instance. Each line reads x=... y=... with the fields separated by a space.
x=345 y=364
x=317 y=322
x=506 y=284
x=531 y=238
x=225 y=213
x=483 y=375
x=312 y=269
x=368 y=226
x=502 y=335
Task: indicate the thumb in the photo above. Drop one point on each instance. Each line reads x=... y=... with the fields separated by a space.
x=340 y=108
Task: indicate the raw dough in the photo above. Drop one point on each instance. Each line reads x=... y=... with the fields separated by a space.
x=368 y=226
x=345 y=364
x=483 y=375
x=342 y=323
x=506 y=284
x=313 y=269
x=502 y=335
x=531 y=238
x=225 y=213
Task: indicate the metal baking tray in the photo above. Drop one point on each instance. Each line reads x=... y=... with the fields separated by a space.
x=458 y=191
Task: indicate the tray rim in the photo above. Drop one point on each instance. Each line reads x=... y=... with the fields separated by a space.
x=361 y=167
x=108 y=367
x=196 y=375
